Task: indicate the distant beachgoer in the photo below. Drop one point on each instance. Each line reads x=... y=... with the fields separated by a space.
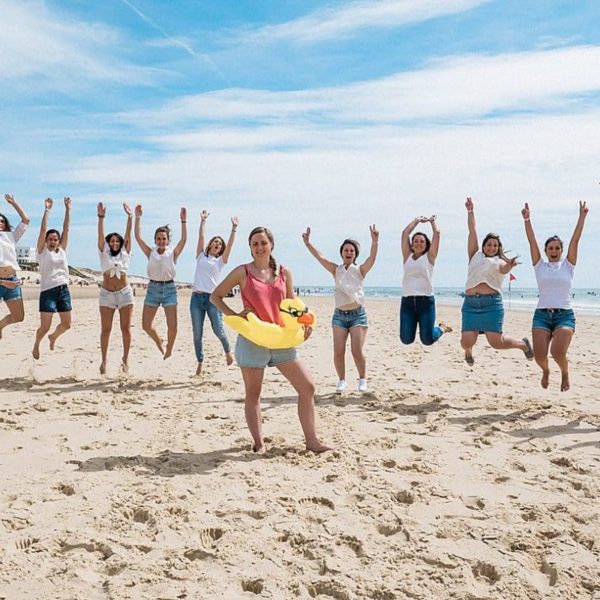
x=161 y=291
x=482 y=309
x=264 y=285
x=554 y=320
x=350 y=316
x=210 y=260
x=10 y=284
x=418 y=303
x=115 y=293
x=54 y=278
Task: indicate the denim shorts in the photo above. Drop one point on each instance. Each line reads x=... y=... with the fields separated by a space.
x=249 y=355
x=161 y=293
x=8 y=294
x=553 y=318
x=118 y=299
x=56 y=299
x=346 y=319
x=482 y=313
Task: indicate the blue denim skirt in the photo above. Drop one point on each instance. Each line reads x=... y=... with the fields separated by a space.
x=483 y=313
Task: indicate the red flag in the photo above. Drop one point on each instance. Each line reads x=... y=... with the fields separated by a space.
x=512 y=277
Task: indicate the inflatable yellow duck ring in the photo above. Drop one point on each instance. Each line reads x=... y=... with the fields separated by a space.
x=294 y=314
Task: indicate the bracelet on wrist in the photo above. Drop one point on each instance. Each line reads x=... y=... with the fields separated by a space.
x=101 y=216
x=183 y=222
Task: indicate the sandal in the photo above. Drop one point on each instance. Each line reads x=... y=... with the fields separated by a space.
x=529 y=351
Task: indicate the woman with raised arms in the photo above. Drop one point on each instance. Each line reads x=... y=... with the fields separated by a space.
x=554 y=320
x=264 y=284
x=162 y=258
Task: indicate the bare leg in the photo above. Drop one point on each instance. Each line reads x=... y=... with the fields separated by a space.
x=340 y=335
x=62 y=327
x=148 y=315
x=43 y=329
x=358 y=335
x=541 y=343
x=106 y=320
x=500 y=341
x=125 y=316
x=295 y=372
x=467 y=340
x=561 y=340
x=253 y=379
x=16 y=313
x=171 y=314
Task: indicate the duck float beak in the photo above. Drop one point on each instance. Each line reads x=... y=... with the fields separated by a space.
x=306 y=319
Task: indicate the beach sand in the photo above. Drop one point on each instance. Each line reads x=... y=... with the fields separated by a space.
x=447 y=481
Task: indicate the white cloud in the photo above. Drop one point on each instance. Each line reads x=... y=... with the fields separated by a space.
x=347 y=19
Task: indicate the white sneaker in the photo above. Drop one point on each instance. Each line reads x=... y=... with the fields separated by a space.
x=341 y=386
x=362 y=385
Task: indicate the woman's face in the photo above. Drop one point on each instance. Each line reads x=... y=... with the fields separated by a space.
x=215 y=247
x=2 y=224
x=553 y=251
x=419 y=245
x=52 y=241
x=260 y=245
x=348 y=254
x=114 y=243
x=491 y=247
x=161 y=239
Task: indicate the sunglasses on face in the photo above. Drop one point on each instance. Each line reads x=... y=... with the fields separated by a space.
x=294 y=312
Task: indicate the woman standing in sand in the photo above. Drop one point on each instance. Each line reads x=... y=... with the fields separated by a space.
x=350 y=316
x=418 y=303
x=210 y=260
x=54 y=278
x=554 y=320
x=161 y=272
x=264 y=285
x=10 y=290
x=115 y=293
x=482 y=309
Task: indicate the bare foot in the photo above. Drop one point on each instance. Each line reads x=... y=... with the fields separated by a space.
x=318 y=447
x=168 y=352
x=124 y=367
x=159 y=345
x=445 y=328
x=36 y=351
x=199 y=370
x=229 y=358
x=52 y=341
x=262 y=449
x=102 y=368
x=565 y=384
x=469 y=358
x=545 y=379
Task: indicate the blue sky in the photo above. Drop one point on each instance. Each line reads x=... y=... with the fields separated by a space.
x=297 y=113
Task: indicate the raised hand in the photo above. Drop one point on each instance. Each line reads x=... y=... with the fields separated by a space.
x=48 y=202
x=234 y=221
x=10 y=199
x=374 y=234
x=138 y=211
x=204 y=215
x=432 y=218
x=512 y=262
x=101 y=209
x=306 y=236
x=583 y=209
x=67 y=202
x=127 y=209
x=526 y=212
x=183 y=214
x=423 y=219
x=469 y=204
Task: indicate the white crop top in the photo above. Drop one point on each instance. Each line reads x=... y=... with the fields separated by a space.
x=485 y=269
x=8 y=242
x=348 y=286
x=554 y=280
x=417 y=276
x=116 y=266
x=54 y=269
x=161 y=267
x=208 y=271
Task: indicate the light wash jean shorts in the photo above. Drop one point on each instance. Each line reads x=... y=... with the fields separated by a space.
x=161 y=293
x=116 y=300
x=346 y=319
x=249 y=355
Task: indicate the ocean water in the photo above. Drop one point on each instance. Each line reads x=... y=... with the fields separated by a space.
x=585 y=300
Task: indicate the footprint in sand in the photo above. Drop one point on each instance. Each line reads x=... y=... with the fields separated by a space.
x=486 y=572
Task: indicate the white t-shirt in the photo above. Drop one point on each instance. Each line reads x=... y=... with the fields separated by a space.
x=348 y=286
x=54 y=269
x=554 y=280
x=8 y=242
x=161 y=267
x=208 y=271
x=485 y=269
x=116 y=266
x=417 y=276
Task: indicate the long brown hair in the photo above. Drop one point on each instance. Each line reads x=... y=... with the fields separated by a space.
x=267 y=232
x=212 y=239
x=495 y=236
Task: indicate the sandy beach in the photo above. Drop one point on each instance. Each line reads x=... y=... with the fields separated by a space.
x=447 y=482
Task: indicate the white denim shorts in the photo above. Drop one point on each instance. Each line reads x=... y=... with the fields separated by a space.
x=117 y=299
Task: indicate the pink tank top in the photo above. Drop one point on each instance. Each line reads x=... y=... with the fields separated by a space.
x=264 y=298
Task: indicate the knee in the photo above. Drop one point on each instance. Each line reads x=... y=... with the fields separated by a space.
x=252 y=399
x=67 y=326
x=426 y=340
x=147 y=327
x=406 y=338
x=19 y=318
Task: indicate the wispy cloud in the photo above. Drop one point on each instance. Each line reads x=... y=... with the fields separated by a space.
x=345 y=20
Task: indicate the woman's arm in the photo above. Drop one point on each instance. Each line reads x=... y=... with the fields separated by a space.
x=201 y=237
x=22 y=214
x=236 y=277
x=127 y=236
x=101 y=212
x=574 y=243
x=138 y=231
x=326 y=264
x=368 y=264
x=472 y=243
x=181 y=244
x=64 y=238
x=508 y=266
x=406 y=237
x=44 y=225
x=435 y=240
x=231 y=240
x=534 y=249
